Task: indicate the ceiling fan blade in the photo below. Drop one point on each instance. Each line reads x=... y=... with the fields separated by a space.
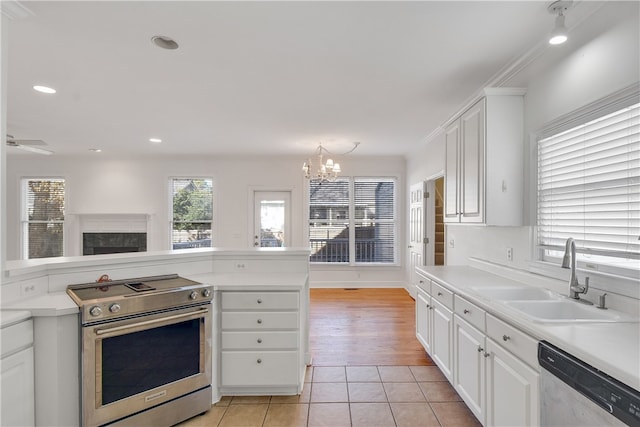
x=29 y=148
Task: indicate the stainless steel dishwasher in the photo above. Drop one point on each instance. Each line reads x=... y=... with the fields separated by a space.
x=574 y=393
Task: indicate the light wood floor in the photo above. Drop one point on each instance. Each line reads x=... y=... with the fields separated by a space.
x=350 y=327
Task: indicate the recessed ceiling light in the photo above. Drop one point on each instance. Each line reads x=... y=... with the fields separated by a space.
x=44 y=89
x=164 y=42
x=95 y=150
x=155 y=140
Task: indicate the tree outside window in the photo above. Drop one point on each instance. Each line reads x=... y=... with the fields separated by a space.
x=43 y=218
x=192 y=212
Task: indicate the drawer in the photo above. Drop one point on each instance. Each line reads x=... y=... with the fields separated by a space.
x=517 y=342
x=16 y=337
x=257 y=320
x=260 y=340
x=260 y=300
x=469 y=312
x=259 y=368
x=442 y=294
x=424 y=283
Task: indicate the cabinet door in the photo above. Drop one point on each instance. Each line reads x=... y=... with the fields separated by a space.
x=469 y=365
x=512 y=389
x=423 y=322
x=18 y=389
x=451 y=178
x=472 y=150
x=441 y=344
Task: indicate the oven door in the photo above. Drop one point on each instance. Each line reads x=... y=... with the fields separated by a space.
x=134 y=364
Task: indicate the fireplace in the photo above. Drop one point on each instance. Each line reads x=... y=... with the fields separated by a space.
x=110 y=233
x=111 y=243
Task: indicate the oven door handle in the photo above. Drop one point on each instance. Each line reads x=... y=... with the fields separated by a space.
x=152 y=322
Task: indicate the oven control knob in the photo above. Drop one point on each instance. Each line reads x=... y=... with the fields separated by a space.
x=206 y=293
x=193 y=295
x=95 y=311
x=114 y=308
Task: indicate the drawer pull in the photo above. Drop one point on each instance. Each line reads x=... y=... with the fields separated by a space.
x=466 y=311
x=439 y=294
x=260 y=322
x=259 y=360
x=259 y=301
x=506 y=338
x=259 y=340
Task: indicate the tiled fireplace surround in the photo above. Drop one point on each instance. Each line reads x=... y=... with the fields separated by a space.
x=112 y=233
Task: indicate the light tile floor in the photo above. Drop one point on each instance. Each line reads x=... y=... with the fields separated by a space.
x=350 y=396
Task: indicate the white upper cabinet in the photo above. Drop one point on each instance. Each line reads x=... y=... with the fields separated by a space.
x=484 y=161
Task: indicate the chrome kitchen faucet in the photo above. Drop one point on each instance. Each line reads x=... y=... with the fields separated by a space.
x=569 y=261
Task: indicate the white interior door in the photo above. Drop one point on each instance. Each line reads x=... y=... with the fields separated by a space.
x=416 y=229
x=272 y=218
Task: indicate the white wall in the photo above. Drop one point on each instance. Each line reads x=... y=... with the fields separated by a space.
x=559 y=81
x=103 y=184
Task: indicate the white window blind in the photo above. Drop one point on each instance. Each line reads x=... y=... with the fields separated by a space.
x=589 y=189
x=192 y=212
x=43 y=217
x=374 y=200
x=353 y=220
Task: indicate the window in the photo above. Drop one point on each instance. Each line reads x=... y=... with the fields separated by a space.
x=192 y=212
x=589 y=189
x=352 y=220
x=42 y=217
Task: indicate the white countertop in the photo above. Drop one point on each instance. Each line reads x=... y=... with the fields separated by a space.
x=51 y=304
x=613 y=348
x=230 y=281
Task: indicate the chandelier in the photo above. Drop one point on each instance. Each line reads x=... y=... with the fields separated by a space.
x=327 y=170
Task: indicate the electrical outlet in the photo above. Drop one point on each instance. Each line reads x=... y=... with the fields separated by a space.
x=509 y=254
x=27 y=289
x=452 y=243
x=240 y=266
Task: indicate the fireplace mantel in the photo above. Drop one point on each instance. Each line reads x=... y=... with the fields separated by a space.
x=112 y=222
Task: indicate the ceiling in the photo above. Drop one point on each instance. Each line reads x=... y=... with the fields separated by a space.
x=256 y=77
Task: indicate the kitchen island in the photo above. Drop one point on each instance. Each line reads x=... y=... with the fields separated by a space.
x=39 y=287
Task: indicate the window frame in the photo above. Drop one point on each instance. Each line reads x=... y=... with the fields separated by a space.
x=170 y=206
x=24 y=214
x=353 y=222
x=550 y=265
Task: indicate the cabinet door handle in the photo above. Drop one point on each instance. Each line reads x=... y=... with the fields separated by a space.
x=259 y=340
x=259 y=301
x=487 y=354
x=506 y=338
x=259 y=321
x=439 y=294
x=465 y=311
x=480 y=349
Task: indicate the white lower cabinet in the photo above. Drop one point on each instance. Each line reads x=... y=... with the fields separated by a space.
x=491 y=364
x=441 y=344
x=423 y=319
x=260 y=341
x=434 y=323
x=17 y=377
x=469 y=366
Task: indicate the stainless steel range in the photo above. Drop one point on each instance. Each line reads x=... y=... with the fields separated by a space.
x=146 y=350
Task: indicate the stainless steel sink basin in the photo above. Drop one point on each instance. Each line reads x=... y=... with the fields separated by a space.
x=515 y=293
x=565 y=310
